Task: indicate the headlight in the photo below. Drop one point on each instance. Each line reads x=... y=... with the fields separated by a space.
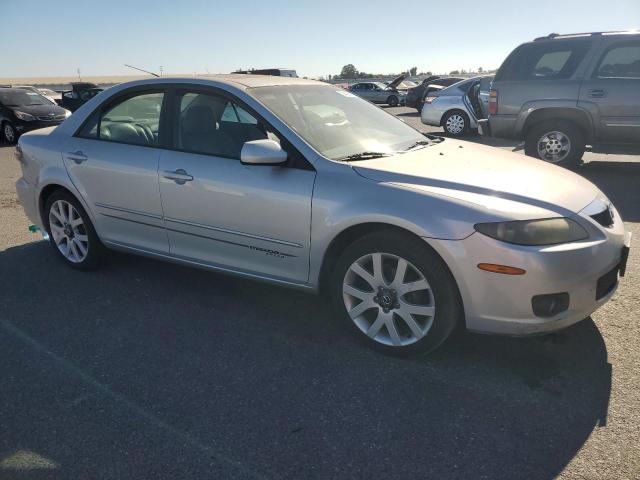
x=549 y=231
x=67 y=114
x=24 y=116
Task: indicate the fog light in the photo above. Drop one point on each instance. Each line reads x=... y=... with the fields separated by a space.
x=550 y=305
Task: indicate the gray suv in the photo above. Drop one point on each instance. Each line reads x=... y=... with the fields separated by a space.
x=561 y=93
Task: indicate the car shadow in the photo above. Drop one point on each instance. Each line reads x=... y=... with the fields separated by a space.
x=146 y=368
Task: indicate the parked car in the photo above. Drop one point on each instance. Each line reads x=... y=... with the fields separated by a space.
x=415 y=95
x=562 y=92
x=457 y=108
x=45 y=92
x=277 y=72
x=303 y=184
x=80 y=93
x=24 y=110
x=378 y=92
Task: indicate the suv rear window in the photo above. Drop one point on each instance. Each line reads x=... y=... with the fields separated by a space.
x=556 y=59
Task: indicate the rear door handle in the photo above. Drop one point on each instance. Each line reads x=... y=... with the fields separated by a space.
x=597 y=93
x=179 y=176
x=77 y=157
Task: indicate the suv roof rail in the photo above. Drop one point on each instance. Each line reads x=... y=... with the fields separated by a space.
x=551 y=36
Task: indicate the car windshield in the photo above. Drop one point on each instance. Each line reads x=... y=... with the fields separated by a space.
x=337 y=123
x=22 y=98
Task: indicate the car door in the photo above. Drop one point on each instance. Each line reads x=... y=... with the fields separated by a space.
x=113 y=161
x=219 y=212
x=612 y=91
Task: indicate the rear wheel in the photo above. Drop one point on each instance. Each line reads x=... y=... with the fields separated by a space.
x=71 y=232
x=455 y=123
x=395 y=293
x=393 y=101
x=558 y=142
x=9 y=133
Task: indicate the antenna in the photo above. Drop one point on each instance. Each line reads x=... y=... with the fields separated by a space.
x=140 y=69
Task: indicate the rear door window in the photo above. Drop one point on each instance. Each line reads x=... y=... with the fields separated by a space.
x=556 y=59
x=620 y=61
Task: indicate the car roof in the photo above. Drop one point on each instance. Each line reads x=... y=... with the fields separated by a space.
x=241 y=80
x=553 y=36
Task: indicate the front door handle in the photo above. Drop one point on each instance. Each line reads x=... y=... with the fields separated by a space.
x=179 y=176
x=77 y=156
x=597 y=93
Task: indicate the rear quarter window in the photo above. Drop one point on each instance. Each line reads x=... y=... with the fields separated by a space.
x=555 y=59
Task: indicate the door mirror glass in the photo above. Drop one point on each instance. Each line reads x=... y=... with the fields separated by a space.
x=262 y=152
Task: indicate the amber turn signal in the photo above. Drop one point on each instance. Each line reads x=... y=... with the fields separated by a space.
x=504 y=269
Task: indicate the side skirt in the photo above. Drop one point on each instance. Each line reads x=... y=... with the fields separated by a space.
x=207 y=266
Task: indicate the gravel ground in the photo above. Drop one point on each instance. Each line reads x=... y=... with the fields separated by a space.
x=151 y=370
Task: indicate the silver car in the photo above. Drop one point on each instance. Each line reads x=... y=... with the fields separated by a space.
x=305 y=185
x=378 y=92
x=458 y=107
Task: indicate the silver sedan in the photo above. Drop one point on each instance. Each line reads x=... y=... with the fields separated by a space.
x=458 y=107
x=305 y=185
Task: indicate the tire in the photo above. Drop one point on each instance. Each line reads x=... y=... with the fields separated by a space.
x=455 y=123
x=9 y=133
x=84 y=251
x=393 y=101
x=435 y=309
x=545 y=139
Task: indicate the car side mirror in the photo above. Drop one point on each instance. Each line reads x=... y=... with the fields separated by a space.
x=262 y=152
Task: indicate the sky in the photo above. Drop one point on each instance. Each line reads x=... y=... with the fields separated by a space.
x=55 y=38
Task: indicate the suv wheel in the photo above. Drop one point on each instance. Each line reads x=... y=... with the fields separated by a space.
x=395 y=293
x=456 y=123
x=558 y=142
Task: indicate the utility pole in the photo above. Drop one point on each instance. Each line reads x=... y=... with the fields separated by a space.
x=79 y=77
x=161 y=68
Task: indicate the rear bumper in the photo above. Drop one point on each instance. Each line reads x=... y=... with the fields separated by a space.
x=500 y=126
x=502 y=304
x=27 y=199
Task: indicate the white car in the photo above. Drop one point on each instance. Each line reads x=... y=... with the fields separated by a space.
x=305 y=185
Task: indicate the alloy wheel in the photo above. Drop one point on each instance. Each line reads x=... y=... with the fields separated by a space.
x=554 y=146
x=68 y=231
x=9 y=133
x=455 y=124
x=388 y=299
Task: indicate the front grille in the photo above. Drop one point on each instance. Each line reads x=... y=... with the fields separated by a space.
x=51 y=118
x=604 y=218
x=606 y=283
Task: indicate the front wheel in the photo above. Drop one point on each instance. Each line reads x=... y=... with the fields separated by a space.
x=396 y=294
x=556 y=142
x=71 y=232
x=393 y=101
x=9 y=133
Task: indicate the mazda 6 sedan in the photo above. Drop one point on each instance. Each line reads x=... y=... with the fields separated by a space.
x=305 y=185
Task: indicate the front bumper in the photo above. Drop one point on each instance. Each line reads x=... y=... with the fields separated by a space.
x=23 y=127
x=502 y=304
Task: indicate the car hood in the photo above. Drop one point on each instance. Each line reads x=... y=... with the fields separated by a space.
x=38 y=110
x=507 y=184
x=396 y=81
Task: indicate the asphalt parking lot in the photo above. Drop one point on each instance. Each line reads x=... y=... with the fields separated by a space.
x=150 y=370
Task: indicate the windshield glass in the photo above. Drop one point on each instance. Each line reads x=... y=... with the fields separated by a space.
x=22 y=98
x=336 y=122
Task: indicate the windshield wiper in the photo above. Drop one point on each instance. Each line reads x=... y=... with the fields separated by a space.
x=363 y=156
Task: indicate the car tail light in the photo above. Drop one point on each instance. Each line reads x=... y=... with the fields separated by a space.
x=429 y=99
x=493 y=102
